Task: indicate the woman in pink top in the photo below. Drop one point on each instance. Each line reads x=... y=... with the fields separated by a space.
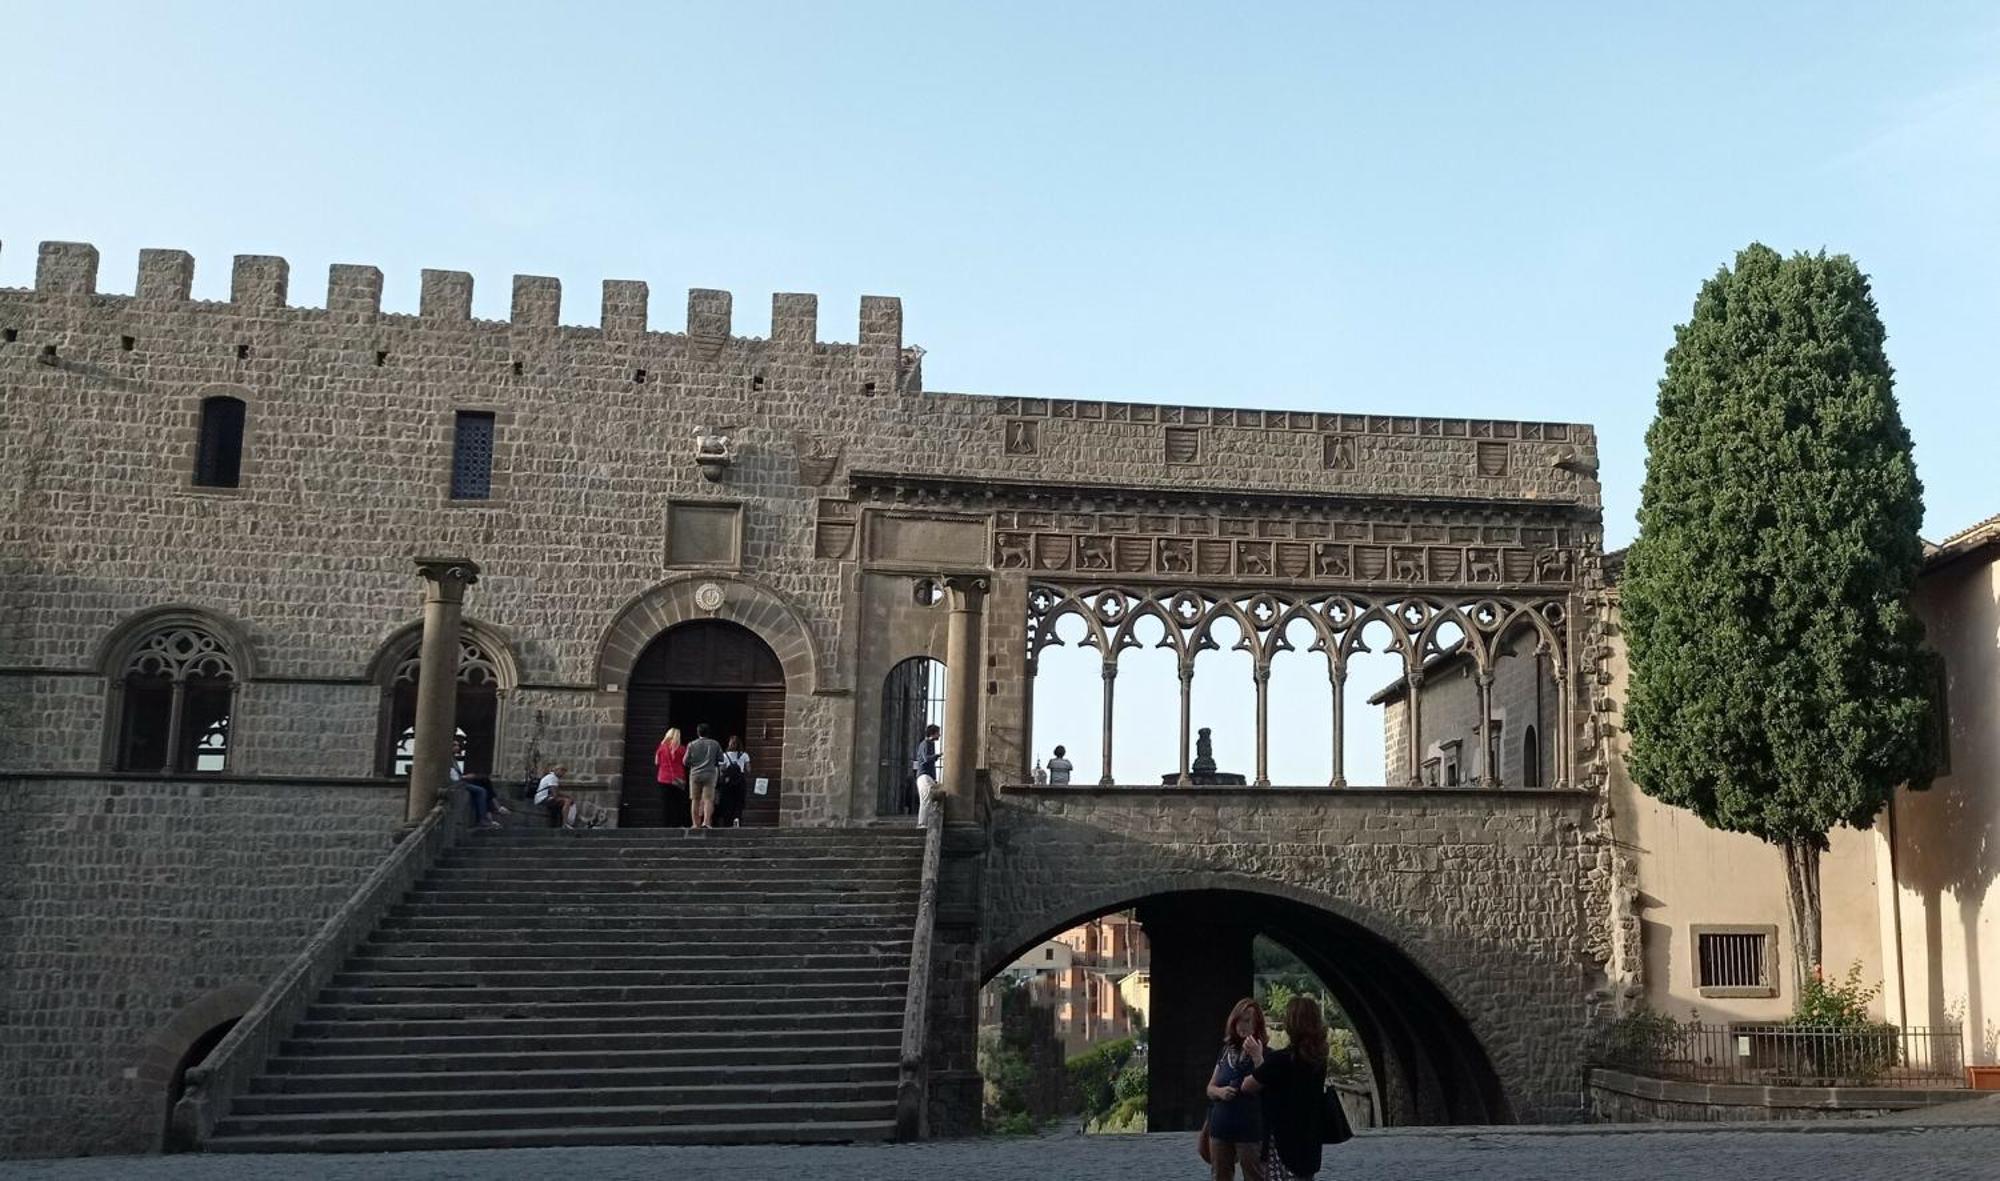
x=671 y=761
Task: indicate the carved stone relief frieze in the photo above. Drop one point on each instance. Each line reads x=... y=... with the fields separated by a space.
x=1421 y=553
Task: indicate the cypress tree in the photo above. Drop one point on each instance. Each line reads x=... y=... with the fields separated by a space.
x=1779 y=681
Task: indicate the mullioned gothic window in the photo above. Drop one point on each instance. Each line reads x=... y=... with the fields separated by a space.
x=176 y=693
x=481 y=677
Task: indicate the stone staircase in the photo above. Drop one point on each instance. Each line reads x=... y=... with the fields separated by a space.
x=624 y=986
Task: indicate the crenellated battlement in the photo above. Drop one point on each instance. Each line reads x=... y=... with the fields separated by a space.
x=262 y=283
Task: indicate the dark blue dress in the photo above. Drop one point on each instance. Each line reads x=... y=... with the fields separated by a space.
x=1239 y=1120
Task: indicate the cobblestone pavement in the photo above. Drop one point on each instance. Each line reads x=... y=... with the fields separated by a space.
x=1938 y=1154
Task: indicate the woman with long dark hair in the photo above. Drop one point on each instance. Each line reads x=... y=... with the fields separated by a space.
x=1235 y=1129
x=1292 y=1083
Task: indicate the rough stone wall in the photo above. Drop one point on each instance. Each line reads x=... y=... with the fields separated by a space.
x=348 y=449
x=124 y=903
x=1497 y=896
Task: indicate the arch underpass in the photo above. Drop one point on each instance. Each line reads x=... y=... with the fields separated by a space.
x=1462 y=931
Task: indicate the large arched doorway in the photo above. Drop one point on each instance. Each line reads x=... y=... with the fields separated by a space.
x=705 y=671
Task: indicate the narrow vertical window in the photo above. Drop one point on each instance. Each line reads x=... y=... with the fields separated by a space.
x=218 y=456
x=472 y=455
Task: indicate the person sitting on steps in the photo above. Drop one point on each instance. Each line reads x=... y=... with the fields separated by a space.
x=549 y=795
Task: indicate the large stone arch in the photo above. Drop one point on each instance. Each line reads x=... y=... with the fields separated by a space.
x=743 y=601
x=1429 y=1064
x=1463 y=928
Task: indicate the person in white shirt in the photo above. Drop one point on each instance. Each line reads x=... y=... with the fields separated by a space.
x=1059 y=768
x=549 y=794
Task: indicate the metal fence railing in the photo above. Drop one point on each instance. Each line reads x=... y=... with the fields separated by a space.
x=1795 y=1055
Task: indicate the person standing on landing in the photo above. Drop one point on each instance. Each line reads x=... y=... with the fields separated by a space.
x=1060 y=767
x=704 y=767
x=733 y=785
x=670 y=761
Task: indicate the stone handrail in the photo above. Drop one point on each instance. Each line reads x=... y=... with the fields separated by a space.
x=214 y=1084
x=912 y=1077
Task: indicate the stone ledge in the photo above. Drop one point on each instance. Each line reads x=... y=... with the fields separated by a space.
x=1679 y=1100
x=1172 y=791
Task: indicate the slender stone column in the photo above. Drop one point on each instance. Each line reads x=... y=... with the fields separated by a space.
x=1338 y=675
x=1415 y=697
x=1110 y=680
x=1187 y=715
x=445 y=580
x=1262 y=674
x=1565 y=719
x=1489 y=775
x=965 y=600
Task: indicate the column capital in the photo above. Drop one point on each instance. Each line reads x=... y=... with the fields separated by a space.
x=1415 y=678
x=1261 y=671
x=447 y=577
x=1110 y=668
x=963 y=592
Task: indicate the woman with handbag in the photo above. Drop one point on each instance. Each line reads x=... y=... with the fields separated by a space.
x=1233 y=1138
x=1300 y=1112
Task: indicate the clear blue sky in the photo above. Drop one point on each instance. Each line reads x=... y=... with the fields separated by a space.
x=1479 y=209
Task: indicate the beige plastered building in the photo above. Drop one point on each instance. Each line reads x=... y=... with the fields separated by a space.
x=1910 y=900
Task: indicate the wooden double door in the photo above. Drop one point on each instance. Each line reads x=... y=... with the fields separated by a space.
x=709 y=672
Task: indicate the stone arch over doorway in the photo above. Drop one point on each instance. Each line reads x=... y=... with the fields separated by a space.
x=1429 y=1065
x=735 y=599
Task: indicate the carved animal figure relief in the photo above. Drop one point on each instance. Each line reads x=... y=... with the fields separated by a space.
x=1093 y=553
x=1409 y=565
x=1254 y=559
x=1482 y=565
x=1552 y=565
x=1012 y=549
x=1176 y=557
x=1333 y=561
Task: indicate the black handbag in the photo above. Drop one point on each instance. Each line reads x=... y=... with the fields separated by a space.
x=1333 y=1125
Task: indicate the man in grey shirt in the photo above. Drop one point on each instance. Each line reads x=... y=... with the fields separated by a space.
x=704 y=766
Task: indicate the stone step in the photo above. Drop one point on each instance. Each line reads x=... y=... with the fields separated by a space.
x=804 y=898
x=434 y=1020
x=666 y=970
x=572 y=853
x=556 y=882
x=515 y=1133
x=511 y=1113
x=637 y=1007
x=716 y=1089
x=608 y=988
x=803 y=1036
x=575 y=1076
x=707 y=956
x=699 y=957
x=487 y=944
x=659 y=911
x=854 y=1052
x=910 y=837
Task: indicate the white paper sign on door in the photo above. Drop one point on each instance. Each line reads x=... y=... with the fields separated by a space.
x=763 y=787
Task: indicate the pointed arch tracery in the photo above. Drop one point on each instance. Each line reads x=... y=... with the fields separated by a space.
x=1189 y=615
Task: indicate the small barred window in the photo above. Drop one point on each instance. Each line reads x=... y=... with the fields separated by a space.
x=1733 y=959
x=472 y=456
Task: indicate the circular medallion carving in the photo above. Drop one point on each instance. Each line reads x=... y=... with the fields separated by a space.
x=708 y=597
